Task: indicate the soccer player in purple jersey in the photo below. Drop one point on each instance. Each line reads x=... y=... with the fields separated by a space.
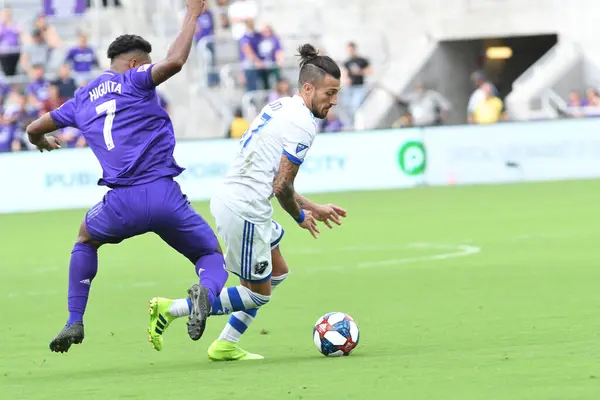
x=132 y=137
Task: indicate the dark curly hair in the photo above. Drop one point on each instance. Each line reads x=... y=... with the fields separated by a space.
x=126 y=44
x=314 y=67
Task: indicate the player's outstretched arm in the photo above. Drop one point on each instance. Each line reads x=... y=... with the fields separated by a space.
x=283 y=187
x=180 y=49
x=37 y=130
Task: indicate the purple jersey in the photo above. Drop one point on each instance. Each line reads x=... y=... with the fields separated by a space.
x=39 y=89
x=82 y=59
x=70 y=136
x=204 y=26
x=162 y=100
x=7 y=135
x=268 y=48
x=123 y=123
x=21 y=116
x=10 y=41
x=4 y=88
x=252 y=39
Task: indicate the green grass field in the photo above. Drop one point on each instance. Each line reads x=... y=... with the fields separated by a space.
x=482 y=292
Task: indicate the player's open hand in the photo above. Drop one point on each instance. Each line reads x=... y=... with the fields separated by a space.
x=310 y=224
x=48 y=143
x=329 y=213
x=196 y=7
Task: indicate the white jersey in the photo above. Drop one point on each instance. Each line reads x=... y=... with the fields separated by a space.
x=283 y=127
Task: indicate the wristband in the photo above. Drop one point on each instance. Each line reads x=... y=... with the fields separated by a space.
x=300 y=219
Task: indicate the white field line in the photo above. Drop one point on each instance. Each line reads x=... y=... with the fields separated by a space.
x=441 y=252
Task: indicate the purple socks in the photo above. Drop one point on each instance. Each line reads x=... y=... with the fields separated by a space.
x=84 y=265
x=212 y=273
x=82 y=270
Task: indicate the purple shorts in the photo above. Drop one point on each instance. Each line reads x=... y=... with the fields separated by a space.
x=159 y=207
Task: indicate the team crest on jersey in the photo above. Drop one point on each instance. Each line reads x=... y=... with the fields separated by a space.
x=144 y=68
x=260 y=267
x=301 y=150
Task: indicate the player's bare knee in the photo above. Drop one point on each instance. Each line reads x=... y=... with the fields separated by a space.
x=85 y=237
x=283 y=270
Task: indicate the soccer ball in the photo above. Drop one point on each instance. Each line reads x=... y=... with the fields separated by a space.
x=335 y=334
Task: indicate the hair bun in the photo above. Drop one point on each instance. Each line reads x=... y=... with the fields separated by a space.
x=307 y=53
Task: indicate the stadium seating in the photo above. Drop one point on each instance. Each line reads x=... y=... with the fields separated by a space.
x=401 y=39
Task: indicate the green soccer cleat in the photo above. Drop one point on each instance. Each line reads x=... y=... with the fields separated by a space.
x=222 y=350
x=160 y=319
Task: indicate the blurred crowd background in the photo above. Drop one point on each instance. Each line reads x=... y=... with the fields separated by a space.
x=244 y=57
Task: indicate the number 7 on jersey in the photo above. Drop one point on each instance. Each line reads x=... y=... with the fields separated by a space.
x=110 y=108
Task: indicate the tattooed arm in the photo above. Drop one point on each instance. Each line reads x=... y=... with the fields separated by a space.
x=294 y=203
x=305 y=203
x=283 y=187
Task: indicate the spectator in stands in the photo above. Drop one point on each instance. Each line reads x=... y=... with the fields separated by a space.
x=66 y=84
x=239 y=125
x=405 y=121
x=240 y=12
x=47 y=32
x=575 y=99
x=591 y=95
x=82 y=59
x=222 y=11
x=39 y=87
x=331 y=123
x=36 y=53
x=250 y=60
x=271 y=54
x=282 y=89
x=10 y=43
x=356 y=68
x=426 y=107
x=579 y=107
x=164 y=103
x=5 y=89
x=71 y=137
x=205 y=27
x=18 y=115
x=479 y=80
x=593 y=103
x=8 y=141
x=53 y=101
x=491 y=109
x=576 y=104
x=13 y=97
x=204 y=38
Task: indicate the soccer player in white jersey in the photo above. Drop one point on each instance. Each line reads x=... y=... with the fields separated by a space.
x=270 y=156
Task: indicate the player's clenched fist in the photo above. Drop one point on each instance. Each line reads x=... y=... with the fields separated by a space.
x=196 y=7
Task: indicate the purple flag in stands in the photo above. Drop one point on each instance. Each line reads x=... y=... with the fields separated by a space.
x=64 y=8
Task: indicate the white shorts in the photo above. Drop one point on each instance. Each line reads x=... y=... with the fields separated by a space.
x=248 y=245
